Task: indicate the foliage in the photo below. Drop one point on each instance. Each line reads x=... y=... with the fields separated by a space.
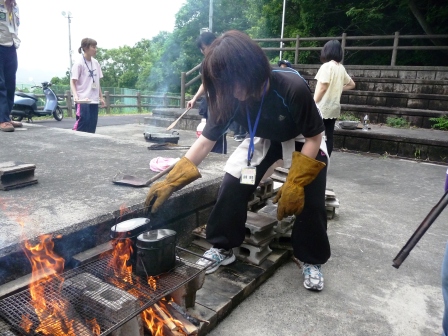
x=397 y=122
x=156 y=64
x=440 y=123
x=347 y=116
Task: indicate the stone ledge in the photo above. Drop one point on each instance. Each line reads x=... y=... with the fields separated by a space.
x=410 y=147
x=182 y=212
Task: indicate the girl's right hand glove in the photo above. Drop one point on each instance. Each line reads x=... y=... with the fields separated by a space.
x=291 y=196
x=183 y=173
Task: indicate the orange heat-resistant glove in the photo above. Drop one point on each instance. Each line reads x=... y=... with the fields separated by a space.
x=291 y=196
x=183 y=173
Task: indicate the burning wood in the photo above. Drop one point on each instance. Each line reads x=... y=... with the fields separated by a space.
x=163 y=320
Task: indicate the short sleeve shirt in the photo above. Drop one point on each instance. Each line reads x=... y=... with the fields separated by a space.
x=335 y=75
x=288 y=111
x=84 y=81
x=9 y=26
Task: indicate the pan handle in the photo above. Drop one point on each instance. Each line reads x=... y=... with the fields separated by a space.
x=175 y=121
x=159 y=175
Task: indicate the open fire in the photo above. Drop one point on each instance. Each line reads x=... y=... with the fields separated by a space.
x=97 y=297
x=64 y=303
x=51 y=310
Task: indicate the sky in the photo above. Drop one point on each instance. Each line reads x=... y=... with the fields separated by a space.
x=44 y=50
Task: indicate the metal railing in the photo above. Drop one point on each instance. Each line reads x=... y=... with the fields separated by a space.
x=114 y=101
x=343 y=38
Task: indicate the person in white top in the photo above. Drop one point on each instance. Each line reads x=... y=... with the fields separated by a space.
x=9 y=42
x=86 y=89
x=332 y=79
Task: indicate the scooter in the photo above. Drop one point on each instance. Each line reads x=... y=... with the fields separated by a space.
x=25 y=105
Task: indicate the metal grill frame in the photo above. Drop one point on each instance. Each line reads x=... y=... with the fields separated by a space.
x=13 y=307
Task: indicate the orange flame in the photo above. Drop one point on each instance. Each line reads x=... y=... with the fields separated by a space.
x=152 y=282
x=94 y=326
x=45 y=268
x=121 y=255
x=157 y=319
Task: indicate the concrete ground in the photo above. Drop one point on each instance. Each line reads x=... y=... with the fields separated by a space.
x=383 y=200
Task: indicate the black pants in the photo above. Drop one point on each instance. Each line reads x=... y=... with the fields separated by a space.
x=329 y=130
x=8 y=69
x=226 y=224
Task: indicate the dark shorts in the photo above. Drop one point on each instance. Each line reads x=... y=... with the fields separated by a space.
x=86 y=118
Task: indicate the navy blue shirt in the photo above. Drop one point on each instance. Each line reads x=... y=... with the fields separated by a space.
x=288 y=110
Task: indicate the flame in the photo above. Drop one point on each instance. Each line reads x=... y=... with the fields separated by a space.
x=45 y=266
x=26 y=323
x=157 y=318
x=121 y=256
x=94 y=326
x=152 y=282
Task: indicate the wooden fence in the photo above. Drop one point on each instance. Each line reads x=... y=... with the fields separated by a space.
x=394 y=47
x=142 y=102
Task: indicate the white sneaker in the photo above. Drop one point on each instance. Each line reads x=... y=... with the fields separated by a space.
x=220 y=256
x=313 y=278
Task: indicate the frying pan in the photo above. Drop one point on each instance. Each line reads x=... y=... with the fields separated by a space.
x=132 y=181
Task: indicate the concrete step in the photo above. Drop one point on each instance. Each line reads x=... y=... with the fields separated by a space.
x=417 y=144
x=396 y=99
x=379 y=114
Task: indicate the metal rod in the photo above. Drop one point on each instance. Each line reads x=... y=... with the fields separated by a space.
x=423 y=227
x=210 y=17
x=283 y=26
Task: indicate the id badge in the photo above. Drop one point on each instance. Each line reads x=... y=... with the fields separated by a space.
x=248 y=175
x=94 y=86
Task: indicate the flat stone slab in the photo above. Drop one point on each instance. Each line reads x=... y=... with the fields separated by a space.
x=75 y=197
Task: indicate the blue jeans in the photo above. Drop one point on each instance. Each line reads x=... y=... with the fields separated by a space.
x=8 y=69
x=445 y=291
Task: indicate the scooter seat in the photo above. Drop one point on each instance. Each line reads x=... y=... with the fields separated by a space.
x=26 y=95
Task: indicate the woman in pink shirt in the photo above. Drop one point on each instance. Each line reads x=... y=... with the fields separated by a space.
x=86 y=89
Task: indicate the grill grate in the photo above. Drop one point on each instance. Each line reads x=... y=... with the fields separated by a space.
x=94 y=290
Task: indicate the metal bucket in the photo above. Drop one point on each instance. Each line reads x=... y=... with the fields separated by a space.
x=156 y=252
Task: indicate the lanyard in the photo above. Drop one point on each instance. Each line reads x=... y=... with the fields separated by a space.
x=90 y=71
x=250 y=152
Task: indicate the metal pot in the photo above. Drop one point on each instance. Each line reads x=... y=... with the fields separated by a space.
x=130 y=229
x=156 y=252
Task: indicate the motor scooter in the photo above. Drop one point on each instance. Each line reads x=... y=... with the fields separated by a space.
x=25 y=105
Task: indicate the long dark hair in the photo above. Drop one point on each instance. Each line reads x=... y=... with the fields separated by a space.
x=86 y=43
x=332 y=51
x=10 y=5
x=233 y=59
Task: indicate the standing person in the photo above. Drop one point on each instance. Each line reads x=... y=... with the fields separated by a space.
x=284 y=64
x=332 y=79
x=9 y=42
x=86 y=88
x=203 y=42
x=278 y=109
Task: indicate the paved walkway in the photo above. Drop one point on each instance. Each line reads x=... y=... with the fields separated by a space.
x=383 y=200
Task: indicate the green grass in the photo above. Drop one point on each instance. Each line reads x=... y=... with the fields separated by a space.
x=348 y=117
x=440 y=123
x=397 y=122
